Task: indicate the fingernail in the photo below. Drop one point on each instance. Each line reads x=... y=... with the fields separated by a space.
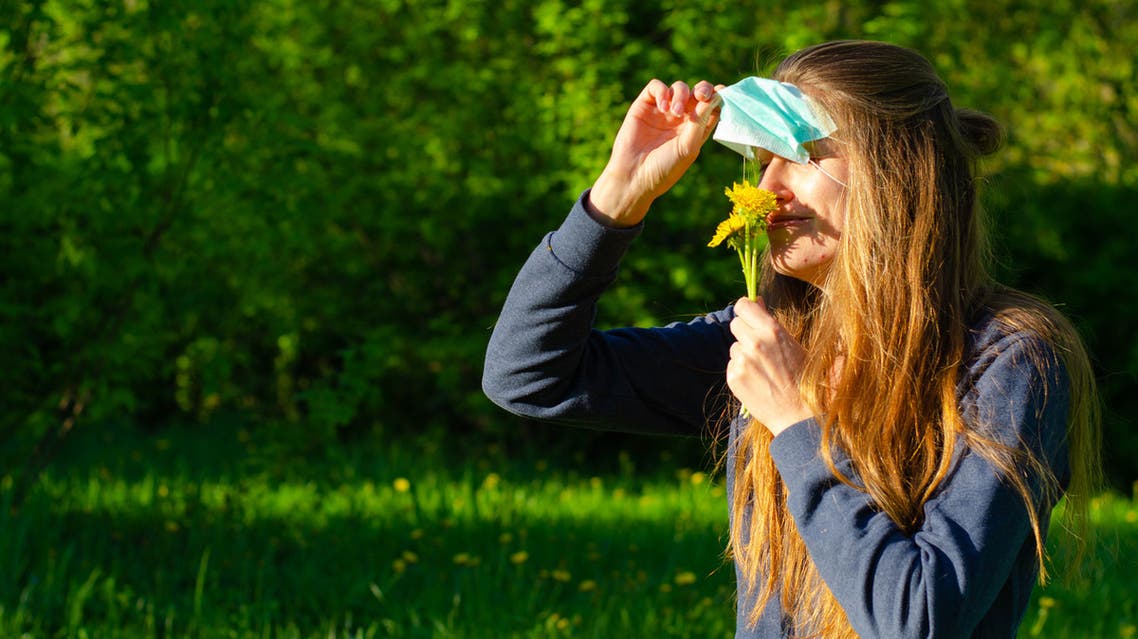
x=678 y=108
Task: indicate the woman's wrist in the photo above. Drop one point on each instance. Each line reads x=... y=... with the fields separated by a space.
x=610 y=203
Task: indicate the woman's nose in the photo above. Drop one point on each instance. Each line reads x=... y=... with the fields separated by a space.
x=775 y=179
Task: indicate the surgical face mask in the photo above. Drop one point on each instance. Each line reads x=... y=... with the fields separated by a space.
x=775 y=117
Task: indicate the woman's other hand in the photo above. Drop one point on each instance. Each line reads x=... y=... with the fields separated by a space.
x=659 y=139
x=764 y=367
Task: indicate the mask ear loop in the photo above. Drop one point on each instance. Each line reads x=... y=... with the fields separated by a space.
x=827 y=173
x=824 y=171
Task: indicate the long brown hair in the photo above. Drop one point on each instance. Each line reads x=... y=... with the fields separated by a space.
x=887 y=330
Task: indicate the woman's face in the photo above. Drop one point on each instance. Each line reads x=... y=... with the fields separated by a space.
x=804 y=230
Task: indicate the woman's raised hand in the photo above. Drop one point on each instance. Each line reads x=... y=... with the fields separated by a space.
x=659 y=139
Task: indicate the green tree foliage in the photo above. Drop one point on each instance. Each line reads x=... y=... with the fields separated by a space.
x=309 y=212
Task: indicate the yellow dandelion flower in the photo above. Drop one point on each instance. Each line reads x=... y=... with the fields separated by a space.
x=685 y=578
x=505 y=538
x=519 y=557
x=750 y=200
x=462 y=559
x=562 y=623
x=401 y=485
x=743 y=228
x=1046 y=602
x=698 y=478
x=732 y=225
x=398 y=566
x=410 y=557
x=491 y=482
x=587 y=585
x=665 y=587
x=562 y=575
x=417 y=533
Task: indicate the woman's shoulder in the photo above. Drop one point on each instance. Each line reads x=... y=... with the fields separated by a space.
x=1017 y=326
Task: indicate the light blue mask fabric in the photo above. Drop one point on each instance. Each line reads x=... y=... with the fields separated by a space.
x=770 y=115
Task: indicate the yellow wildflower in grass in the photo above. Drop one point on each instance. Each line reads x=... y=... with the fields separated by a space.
x=562 y=575
x=685 y=578
x=462 y=559
x=519 y=557
x=587 y=585
x=410 y=557
x=401 y=485
x=505 y=538
x=398 y=566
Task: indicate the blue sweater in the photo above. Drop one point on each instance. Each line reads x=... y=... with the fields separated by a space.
x=967 y=572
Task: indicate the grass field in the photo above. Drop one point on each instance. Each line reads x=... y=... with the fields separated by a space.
x=202 y=533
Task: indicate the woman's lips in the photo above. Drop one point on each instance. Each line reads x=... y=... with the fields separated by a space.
x=775 y=222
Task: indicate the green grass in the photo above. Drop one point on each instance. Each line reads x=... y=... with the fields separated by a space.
x=203 y=533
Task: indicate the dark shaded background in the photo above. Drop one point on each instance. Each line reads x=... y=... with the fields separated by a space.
x=305 y=215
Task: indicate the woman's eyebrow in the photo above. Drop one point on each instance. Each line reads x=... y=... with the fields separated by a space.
x=823 y=147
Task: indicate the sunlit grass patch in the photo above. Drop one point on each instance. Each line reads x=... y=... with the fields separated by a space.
x=383 y=549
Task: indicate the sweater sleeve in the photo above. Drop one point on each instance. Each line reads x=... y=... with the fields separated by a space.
x=971 y=565
x=546 y=361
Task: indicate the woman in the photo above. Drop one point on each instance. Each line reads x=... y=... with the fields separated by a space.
x=911 y=422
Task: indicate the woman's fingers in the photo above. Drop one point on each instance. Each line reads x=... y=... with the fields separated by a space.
x=708 y=103
x=753 y=313
x=703 y=91
x=679 y=98
x=681 y=93
x=659 y=93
